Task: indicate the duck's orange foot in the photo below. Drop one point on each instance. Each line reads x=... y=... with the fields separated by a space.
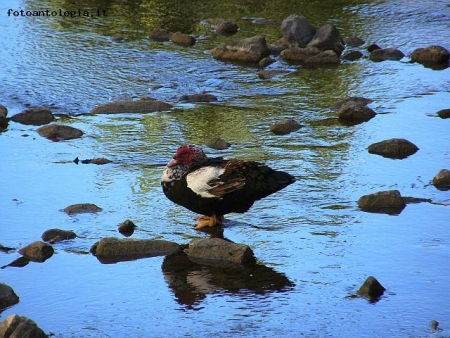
x=206 y=221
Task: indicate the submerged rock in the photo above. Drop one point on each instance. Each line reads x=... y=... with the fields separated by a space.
x=386 y=202
x=113 y=250
x=397 y=148
x=271 y=73
x=444 y=113
x=431 y=55
x=59 y=132
x=327 y=57
x=37 y=116
x=37 y=251
x=285 y=127
x=181 y=39
x=379 y=55
x=298 y=54
x=160 y=35
x=218 y=143
x=81 y=208
x=18 y=262
x=297 y=30
x=220 y=253
x=328 y=37
x=97 y=160
x=57 y=235
x=354 y=41
x=202 y=97
x=16 y=326
x=7 y=297
x=141 y=106
x=247 y=50
x=126 y=228
x=442 y=180
x=371 y=289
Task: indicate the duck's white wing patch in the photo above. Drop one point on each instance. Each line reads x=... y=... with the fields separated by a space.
x=204 y=179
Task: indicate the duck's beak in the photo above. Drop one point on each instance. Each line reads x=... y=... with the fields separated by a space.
x=172 y=163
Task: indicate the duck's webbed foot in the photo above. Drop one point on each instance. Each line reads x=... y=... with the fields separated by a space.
x=207 y=221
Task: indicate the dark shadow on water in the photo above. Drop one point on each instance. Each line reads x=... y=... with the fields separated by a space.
x=191 y=282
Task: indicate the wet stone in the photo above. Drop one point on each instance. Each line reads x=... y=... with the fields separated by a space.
x=16 y=326
x=354 y=41
x=218 y=143
x=59 y=132
x=183 y=40
x=327 y=38
x=387 y=202
x=264 y=62
x=444 y=113
x=57 y=235
x=37 y=251
x=326 y=58
x=126 y=228
x=357 y=99
x=285 y=127
x=252 y=49
x=355 y=111
x=396 y=148
x=81 y=208
x=202 y=97
x=297 y=30
x=7 y=297
x=442 y=180
x=227 y=28
x=160 y=35
x=141 y=106
x=379 y=55
x=37 y=116
x=431 y=55
x=298 y=54
x=373 y=47
x=271 y=73
x=353 y=55
x=371 y=289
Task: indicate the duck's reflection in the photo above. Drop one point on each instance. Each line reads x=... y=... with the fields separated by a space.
x=191 y=282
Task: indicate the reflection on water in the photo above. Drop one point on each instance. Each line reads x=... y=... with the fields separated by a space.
x=315 y=246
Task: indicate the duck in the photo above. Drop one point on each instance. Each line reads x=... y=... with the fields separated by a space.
x=214 y=186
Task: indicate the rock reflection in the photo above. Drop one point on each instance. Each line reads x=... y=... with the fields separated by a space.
x=191 y=282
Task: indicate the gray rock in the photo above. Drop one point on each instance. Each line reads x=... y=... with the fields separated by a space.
x=202 y=97
x=298 y=54
x=355 y=111
x=112 y=250
x=327 y=57
x=264 y=62
x=37 y=251
x=3 y=111
x=379 y=55
x=141 y=106
x=372 y=47
x=7 y=297
x=371 y=289
x=37 y=116
x=247 y=50
x=285 y=127
x=354 y=41
x=297 y=30
x=220 y=253
x=442 y=180
x=3 y=119
x=59 y=132
x=431 y=55
x=57 y=235
x=397 y=148
x=16 y=326
x=160 y=35
x=218 y=143
x=271 y=73
x=81 y=208
x=227 y=28
x=181 y=39
x=328 y=37
x=126 y=228
x=444 y=113
x=357 y=99
x=387 y=202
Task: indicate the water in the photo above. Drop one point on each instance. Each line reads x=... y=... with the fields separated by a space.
x=310 y=238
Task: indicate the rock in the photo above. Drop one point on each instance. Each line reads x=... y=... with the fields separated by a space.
x=327 y=37
x=181 y=39
x=57 y=235
x=397 y=148
x=59 y=132
x=354 y=41
x=442 y=180
x=5 y=248
x=220 y=253
x=112 y=250
x=371 y=289
x=141 y=106
x=297 y=30
x=285 y=127
x=98 y=161
x=444 y=113
x=353 y=55
x=7 y=297
x=327 y=57
x=81 y=208
x=279 y=46
x=270 y=73
x=354 y=111
x=386 y=202
x=3 y=111
x=434 y=324
x=126 y=228
x=218 y=143
x=264 y=62
x=373 y=47
x=202 y=97
x=379 y=55
x=298 y=54
x=160 y=35
x=227 y=28
x=18 y=262
x=3 y=119
x=34 y=116
x=16 y=326
x=357 y=99
x=247 y=50
x=37 y=251
x=431 y=55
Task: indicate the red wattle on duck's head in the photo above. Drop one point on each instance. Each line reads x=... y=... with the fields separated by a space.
x=187 y=155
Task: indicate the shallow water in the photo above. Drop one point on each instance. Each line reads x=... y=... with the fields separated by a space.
x=311 y=239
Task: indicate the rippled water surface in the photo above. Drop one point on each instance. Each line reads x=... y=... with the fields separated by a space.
x=312 y=242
